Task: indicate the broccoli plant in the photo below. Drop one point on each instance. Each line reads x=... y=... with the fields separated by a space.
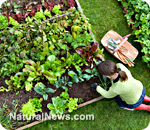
x=63 y=82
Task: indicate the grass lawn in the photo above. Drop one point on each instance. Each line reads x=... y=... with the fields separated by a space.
x=105 y=15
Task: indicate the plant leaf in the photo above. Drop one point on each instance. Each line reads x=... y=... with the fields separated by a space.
x=45 y=96
x=80 y=51
x=94 y=47
x=88 y=71
x=40 y=84
x=61 y=103
x=54 y=101
x=71 y=73
x=28 y=86
x=38 y=90
x=61 y=111
x=87 y=77
x=53 y=112
x=30 y=62
x=49 y=90
x=50 y=106
x=49 y=76
x=51 y=58
x=75 y=79
x=104 y=78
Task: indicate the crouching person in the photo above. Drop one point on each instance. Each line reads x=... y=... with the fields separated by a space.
x=131 y=91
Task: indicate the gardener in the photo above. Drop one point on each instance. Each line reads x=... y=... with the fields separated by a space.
x=131 y=91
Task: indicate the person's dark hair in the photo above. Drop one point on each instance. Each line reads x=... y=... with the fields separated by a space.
x=109 y=68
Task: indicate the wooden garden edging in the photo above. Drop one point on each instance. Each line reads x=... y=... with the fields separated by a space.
x=81 y=105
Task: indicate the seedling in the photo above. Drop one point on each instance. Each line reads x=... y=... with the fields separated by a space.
x=41 y=89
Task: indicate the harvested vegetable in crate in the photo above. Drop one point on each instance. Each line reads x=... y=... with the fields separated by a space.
x=119 y=47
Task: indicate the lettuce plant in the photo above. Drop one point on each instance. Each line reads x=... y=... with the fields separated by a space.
x=13 y=22
x=56 y=9
x=71 y=102
x=31 y=107
x=57 y=106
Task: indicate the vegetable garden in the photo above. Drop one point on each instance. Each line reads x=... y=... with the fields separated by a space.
x=48 y=58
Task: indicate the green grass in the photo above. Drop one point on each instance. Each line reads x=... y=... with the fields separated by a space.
x=105 y=15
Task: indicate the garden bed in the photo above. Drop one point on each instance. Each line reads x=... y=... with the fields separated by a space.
x=81 y=87
x=138 y=18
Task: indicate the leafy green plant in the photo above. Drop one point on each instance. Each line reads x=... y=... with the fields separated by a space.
x=40 y=16
x=71 y=102
x=56 y=9
x=10 y=64
x=47 y=13
x=41 y=89
x=90 y=52
x=104 y=81
x=13 y=22
x=137 y=14
x=61 y=103
x=3 y=22
x=79 y=40
x=75 y=60
x=80 y=100
x=35 y=71
x=31 y=107
x=63 y=82
x=58 y=106
x=15 y=83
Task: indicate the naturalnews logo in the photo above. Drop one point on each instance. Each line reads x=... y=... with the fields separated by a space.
x=46 y=116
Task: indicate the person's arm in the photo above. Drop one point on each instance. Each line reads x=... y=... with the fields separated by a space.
x=107 y=94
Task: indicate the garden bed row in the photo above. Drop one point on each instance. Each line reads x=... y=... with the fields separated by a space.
x=137 y=14
x=41 y=79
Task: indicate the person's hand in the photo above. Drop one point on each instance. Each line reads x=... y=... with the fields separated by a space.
x=94 y=86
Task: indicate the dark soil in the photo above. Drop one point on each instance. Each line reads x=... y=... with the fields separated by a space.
x=78 y=90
